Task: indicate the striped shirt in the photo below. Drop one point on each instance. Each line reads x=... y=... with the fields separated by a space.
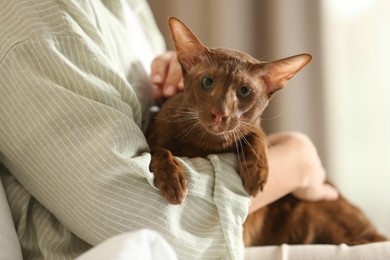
x=74 y=95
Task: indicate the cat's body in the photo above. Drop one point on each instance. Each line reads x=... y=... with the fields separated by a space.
x=293 y=221
x=225 y=94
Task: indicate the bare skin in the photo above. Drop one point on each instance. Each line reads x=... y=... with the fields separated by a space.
x=166 y=75
x=294 y=165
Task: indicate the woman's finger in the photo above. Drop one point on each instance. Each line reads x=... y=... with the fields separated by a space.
x=173 y=79
x=160 y=66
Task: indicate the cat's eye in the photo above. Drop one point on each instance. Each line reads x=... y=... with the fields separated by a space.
x=207 y=83
x=244 y=91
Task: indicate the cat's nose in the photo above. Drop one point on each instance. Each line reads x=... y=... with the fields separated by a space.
x=218 y=117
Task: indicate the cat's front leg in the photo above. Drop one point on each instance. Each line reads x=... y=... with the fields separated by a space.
x=168 y=176
x=253 y=162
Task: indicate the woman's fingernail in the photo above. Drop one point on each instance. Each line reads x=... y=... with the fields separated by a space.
x=169 y=90
x=157 y=79
x=181 y=85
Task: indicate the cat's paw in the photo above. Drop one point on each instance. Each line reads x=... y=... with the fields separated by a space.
x=254 y=175
x=169 y=178
x=172 y=184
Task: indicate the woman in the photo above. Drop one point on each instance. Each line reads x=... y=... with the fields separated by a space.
x=75 y=94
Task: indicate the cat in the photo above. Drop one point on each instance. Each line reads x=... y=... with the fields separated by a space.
x=226 y=92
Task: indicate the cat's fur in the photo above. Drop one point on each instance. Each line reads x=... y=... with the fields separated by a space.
x=225 y=94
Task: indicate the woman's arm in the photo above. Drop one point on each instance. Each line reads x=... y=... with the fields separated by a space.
x=70 y=135
x=296 y=168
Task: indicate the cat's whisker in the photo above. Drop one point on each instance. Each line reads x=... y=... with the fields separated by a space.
x=243 y=156
x=242 y=136
x=237 y=148
x=243 y=139
x=271 y=118
x=176 y=120
x=185 y=109
x=192 y=127
x=250 y=129
x=182 y=117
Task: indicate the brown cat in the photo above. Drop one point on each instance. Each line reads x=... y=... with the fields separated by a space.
x=226 y=92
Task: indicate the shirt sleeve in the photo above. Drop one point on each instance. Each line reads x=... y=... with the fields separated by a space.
x=70 y=134
x=70 y=129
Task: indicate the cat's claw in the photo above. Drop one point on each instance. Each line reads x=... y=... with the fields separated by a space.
x=254 y=187
x=254 y=177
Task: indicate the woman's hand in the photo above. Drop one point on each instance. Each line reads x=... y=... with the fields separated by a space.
x=166 y=75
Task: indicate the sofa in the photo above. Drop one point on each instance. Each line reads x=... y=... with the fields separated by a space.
x=147 y=244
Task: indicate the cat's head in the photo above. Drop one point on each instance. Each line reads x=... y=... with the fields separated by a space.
x=227 y=88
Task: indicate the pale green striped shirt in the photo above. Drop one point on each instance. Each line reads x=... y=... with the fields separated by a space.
x=74 y=95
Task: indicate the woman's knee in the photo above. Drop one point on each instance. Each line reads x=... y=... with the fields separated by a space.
x=296 y=139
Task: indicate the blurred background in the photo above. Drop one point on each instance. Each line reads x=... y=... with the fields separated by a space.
x=341 y=100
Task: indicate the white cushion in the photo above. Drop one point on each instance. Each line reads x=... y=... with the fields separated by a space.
x=142 y=244
x=377 y=251
x=9 y=243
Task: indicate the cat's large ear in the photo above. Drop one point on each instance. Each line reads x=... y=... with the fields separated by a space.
x=189 y=49
x=277 y=73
